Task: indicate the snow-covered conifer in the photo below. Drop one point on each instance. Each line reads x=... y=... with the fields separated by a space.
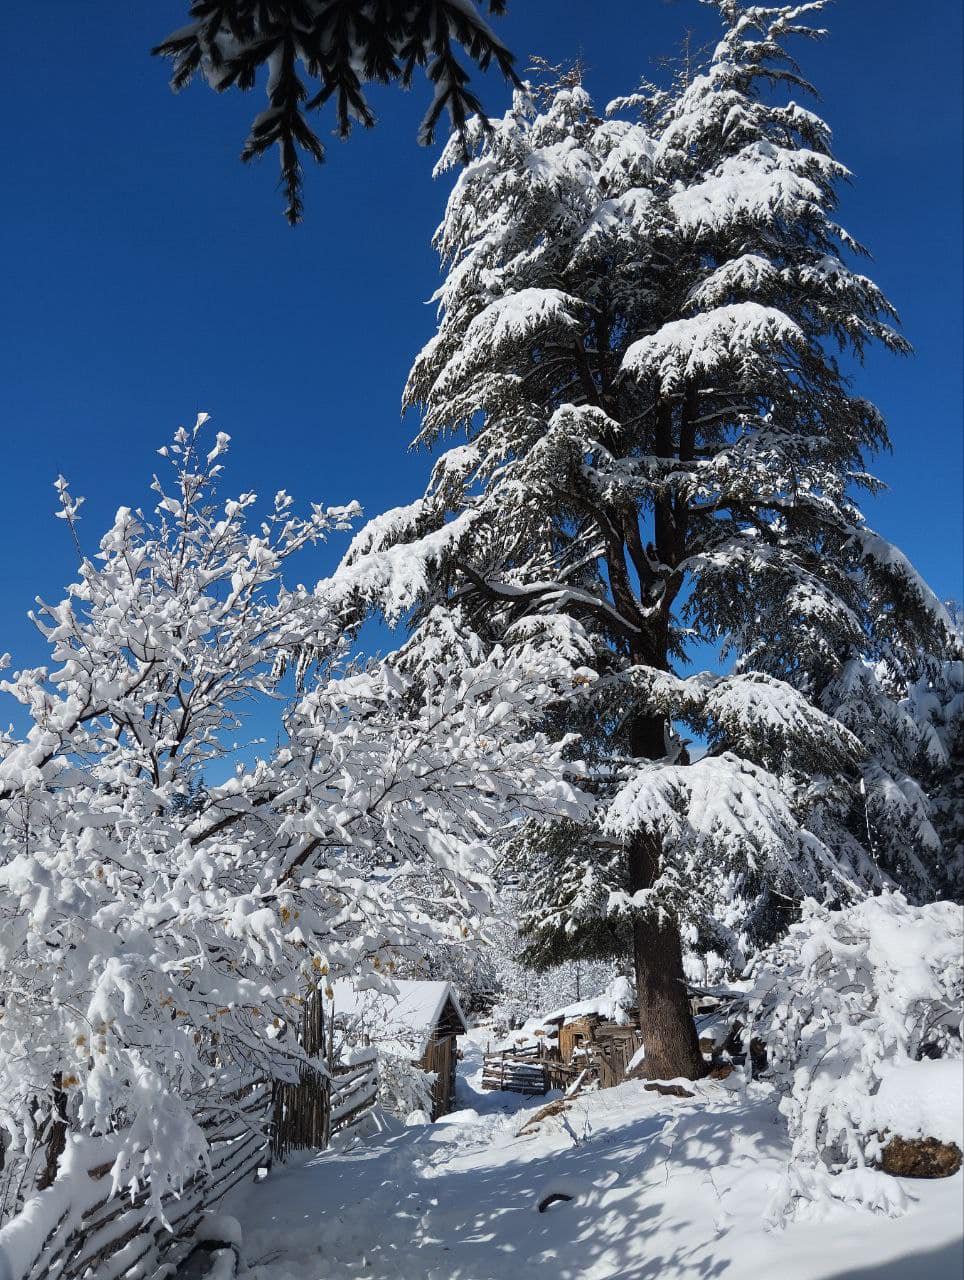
x=637 y=353
x=903 y=799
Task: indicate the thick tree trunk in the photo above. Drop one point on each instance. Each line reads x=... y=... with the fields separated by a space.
x=665 y=1021
x=669 y=1033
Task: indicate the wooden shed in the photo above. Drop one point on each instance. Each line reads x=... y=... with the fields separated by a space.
x=589 y=1035
x=420 y=1021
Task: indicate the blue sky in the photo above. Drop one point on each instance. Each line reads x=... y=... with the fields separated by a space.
x=147 y=274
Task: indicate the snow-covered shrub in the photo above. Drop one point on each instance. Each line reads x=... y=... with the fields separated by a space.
x=159 y=927
x=403 y=1087
x=854 y=1006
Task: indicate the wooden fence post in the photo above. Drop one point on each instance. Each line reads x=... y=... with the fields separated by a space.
x=302 y=1111
x=56 y=1143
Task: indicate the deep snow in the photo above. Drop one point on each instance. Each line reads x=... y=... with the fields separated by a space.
x=662 y=1188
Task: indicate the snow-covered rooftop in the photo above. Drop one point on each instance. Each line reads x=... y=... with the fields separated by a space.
x=613 y=1005
x=402 y=1021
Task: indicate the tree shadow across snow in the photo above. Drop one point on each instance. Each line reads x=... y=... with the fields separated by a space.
x=943 y=1263
x=438 y=1203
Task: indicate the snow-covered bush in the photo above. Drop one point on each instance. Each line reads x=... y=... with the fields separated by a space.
x=158 y=927
x=853 y=1006
x=403 y=1087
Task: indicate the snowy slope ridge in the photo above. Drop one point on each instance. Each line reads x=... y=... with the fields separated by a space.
x=661 y=1188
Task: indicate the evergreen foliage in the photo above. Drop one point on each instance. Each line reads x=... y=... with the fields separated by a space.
x=638 y=351
x=905 y=802
x=341 y=45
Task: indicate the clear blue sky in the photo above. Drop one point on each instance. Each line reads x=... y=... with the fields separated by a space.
x=147 y=274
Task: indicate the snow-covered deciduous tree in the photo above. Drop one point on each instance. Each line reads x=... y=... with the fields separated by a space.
x=341 y=45
x=862 y=1014
x=489 y=967
x=637 y=351
x=167 y=896
x=522 y=990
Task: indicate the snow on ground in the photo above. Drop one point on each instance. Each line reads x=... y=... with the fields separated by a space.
x=662 y=1188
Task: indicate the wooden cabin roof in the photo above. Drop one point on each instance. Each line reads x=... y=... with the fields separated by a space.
x=410 y=1017
x=616 y=1004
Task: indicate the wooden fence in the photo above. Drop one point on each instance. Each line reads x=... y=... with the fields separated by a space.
x=518 y=1070
x=353 y=1090
x=76 y=1228
x=535 y=1069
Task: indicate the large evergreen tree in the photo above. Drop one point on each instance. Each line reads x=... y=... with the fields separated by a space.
x=907 y=801
x=638 y=341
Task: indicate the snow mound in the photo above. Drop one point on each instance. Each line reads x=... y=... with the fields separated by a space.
x=920 y=1100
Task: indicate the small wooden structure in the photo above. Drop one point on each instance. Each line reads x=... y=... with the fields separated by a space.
x=441 y=1047
x=596 y=1038
x=602 y=1045
x=421 y=1022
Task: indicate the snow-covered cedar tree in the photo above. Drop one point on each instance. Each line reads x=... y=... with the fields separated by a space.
x=939 y=702
x=340 y=45
x=908 y=808
x=168 y=894
x=522 y=991
x=862 y=1013
x=655 y=445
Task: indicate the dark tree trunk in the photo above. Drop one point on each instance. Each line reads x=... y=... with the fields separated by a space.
x=56 y=1136
x=669 y=1033
x=665 y=1020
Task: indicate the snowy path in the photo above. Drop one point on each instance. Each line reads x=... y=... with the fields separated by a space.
x=662 y=1188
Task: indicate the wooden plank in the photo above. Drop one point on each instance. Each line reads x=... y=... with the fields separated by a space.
x=114 y=1234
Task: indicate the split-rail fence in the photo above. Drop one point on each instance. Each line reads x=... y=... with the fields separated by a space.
x=78 y=1228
